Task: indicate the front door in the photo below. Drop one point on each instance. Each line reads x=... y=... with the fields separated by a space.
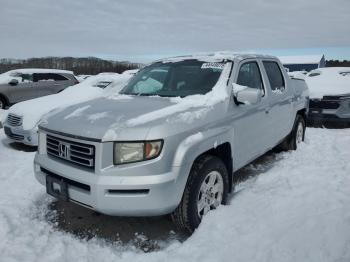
x=22 y=91
x=250 y=121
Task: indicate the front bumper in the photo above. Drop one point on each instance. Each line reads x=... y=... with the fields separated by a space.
x=329 y=112
x=115 y=191
x=332 y=120
x=18 y=134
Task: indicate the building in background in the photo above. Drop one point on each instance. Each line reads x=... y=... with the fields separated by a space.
x=303 y=63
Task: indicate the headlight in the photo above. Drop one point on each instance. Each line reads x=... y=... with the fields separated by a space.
x=129 y=152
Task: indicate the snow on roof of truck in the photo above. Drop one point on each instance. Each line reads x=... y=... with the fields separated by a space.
x=303 y=59
x=216 y=56
x=40 y=70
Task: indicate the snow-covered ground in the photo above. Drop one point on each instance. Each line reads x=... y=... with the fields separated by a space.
x=294 y=207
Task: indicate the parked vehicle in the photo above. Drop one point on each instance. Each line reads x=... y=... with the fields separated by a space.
x=81 y=78
x=171 y=140
x=24 y=84
x=21 y=124
x=329 y=97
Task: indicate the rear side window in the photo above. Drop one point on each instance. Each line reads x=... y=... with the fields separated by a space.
x=48 y=77
x=249 y=75
x=27 y=77
x=274 y=74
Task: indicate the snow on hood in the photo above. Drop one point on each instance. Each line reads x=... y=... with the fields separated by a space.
x=33 y=110
x=122 y=114
x=328 y=81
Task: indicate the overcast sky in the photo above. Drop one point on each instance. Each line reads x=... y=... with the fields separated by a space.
x=141 y=30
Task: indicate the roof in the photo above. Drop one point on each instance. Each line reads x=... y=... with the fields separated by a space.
x=305 y=59
x=216 y=56
x=41 y=70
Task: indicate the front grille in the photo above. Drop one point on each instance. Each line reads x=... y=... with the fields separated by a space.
x=14 y=120
x=324 y=104
x=77 y=153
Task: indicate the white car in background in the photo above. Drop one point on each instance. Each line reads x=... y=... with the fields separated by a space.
x=329 y=96
x=21 y=120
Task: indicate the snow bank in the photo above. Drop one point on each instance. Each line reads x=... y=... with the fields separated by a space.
x=33 y=110
x=295 y=208
x=328 y=81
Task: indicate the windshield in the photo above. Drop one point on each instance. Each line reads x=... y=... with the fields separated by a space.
x=183 y=78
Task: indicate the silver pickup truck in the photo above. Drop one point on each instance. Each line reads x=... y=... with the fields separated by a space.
x=172 y=140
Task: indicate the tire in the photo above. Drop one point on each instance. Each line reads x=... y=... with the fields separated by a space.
x=206 y=171
x=297 y=135
x=2 y=103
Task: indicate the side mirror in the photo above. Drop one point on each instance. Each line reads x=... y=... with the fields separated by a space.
x=13 y=82
x=247 y=95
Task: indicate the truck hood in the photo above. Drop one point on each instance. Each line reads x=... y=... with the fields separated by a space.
x=131 y=117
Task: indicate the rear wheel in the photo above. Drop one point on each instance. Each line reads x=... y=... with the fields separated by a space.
x=206 y=189
x=297 y=136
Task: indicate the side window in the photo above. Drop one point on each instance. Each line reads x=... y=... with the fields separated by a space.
x=27 y=78
x=249 y=75
x=58 y=77
x=274 y=74
x=48 y=77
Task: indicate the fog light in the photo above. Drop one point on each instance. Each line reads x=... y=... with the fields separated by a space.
x=29 y=138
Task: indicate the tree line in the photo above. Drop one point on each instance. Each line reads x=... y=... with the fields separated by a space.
x=337 y=63
x=92 y=65
x=85 y=65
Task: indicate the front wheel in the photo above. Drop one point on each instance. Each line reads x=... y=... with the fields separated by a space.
x=206 y=189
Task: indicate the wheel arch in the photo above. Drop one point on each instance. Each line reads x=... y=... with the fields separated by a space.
x=5 y=98
x=223 y=152
x=302 y=113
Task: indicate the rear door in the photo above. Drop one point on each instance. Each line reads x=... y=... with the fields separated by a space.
x=250 y=121
x=280 y=101
x=48 y=83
